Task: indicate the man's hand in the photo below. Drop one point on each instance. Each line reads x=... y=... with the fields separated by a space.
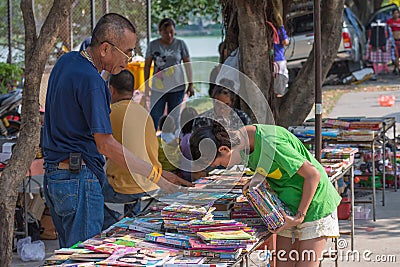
x=171 y=183
x=144 y=101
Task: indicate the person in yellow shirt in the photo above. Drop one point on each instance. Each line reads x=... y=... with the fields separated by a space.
x=133 y=127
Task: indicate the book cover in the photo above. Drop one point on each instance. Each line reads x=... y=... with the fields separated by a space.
x=107 y=248
x=57 y=258
x=136 y=257
x=198 y=244
x=150 y=223
x=90 y=257
x=224 y=235
x=186 y=260
x=70 y=251
x=171 y=239
x=232 y=254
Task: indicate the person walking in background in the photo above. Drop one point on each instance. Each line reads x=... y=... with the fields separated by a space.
x=168 y=84
x=380 y=46
x=280 y=64
x=77 y=132
x=394 y=24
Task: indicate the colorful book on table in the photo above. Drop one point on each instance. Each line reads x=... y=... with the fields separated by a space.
x=224 y=235
x=170 y=239
x=129 y=256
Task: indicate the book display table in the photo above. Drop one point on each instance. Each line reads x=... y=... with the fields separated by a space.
x=179 y=228
x=362 y=132
x=349 y=170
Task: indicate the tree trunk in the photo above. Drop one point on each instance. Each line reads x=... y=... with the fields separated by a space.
x=363 y=9
x=245 y=23
x=295 y=106
x=37 y=50
x=256 y=61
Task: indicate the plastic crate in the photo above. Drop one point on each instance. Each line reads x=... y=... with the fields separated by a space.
x=361 y=213
x=344 y=209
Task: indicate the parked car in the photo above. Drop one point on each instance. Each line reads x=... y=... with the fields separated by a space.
x=300 y=28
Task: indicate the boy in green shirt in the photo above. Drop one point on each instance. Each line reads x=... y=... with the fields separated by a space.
x=296 y=176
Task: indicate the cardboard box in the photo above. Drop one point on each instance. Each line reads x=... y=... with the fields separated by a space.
x=35 y=204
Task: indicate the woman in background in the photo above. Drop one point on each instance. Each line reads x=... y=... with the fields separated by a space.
x=168 y=84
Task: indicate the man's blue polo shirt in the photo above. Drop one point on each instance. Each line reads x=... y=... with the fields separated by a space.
x=77 y=106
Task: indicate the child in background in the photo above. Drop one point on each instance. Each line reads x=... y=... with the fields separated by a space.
x=168 y=152
x=187 y=117
x=282 y=73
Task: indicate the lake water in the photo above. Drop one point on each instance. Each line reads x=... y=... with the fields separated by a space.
x=202 y=48
x=206 y=46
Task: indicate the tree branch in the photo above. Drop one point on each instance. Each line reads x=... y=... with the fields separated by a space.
x=30 y=27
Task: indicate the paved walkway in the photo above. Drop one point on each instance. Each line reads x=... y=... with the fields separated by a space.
x=366 y=104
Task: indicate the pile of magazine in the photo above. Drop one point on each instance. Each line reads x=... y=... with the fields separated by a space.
x=267 y=204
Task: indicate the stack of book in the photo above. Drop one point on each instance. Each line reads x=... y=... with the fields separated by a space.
x=147 y=225
x=356 y=135
x=266 y=203
x=308 y=131
x=243 y=212
x=344 y=153
x=176 y=214
x=334 y=167
x=233 y=239
x=233 y=184
x=209 y=249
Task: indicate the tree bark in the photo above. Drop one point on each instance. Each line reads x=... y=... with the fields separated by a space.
x=36 y=55
x=364 y=8
x=295 y=106
x=246 y=27
x=256 y=62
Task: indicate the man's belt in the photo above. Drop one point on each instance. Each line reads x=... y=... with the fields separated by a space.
x=64 y=165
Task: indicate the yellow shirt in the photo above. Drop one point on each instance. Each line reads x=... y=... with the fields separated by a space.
x=173 y=152
x=388 y=2
x=133 y=127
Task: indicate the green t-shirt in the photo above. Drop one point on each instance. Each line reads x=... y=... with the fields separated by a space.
x=278 y=155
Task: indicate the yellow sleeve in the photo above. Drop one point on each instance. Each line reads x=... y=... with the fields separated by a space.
x=152 y=142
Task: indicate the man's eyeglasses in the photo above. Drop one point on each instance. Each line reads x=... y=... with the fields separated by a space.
x=119 y=50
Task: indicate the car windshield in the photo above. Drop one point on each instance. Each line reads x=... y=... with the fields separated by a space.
x=301 y=24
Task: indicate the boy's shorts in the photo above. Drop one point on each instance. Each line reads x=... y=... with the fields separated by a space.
x=328 y=226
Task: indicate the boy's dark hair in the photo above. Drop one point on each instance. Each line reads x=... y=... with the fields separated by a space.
x=187 y=117
x=165 y=22
x=123 y=82
x=110 y=27
x=215 y=133
x=166 y=124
